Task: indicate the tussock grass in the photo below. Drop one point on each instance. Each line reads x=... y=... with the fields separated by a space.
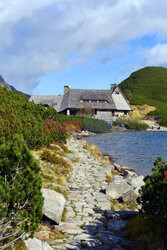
x=53 y=235
x=116 y=205
x=109 y=176
x=55 y=172
x=95 y=151
x=20 y=245
x=52 y=157
x=64 y=148
x=141 y=111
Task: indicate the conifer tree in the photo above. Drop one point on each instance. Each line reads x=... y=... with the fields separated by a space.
x=21 y=199
x=154 y=193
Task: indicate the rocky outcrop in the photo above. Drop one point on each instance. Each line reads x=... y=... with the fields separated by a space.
x=125 y=186
x=54 y=204
x=117 y=187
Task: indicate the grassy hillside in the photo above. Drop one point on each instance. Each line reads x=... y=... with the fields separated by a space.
x=148 y=86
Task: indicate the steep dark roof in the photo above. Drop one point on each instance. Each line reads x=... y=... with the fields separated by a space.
x=73 y=96
x=54 y=101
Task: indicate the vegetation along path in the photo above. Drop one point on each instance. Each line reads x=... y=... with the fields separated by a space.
x=89 y=221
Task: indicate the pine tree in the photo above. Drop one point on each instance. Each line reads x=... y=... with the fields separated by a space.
x=154 y=193
x=21 y=199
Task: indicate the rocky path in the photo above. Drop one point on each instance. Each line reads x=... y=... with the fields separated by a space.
x=89 y=222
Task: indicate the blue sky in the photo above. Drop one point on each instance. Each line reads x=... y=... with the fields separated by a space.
x=85 y=44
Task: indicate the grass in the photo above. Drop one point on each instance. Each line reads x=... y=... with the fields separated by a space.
x=116 y=205
x=55 y=168
x=109 y=176
x=20 y=245
x=95 y=151
x=133 y=123
x=62 y=146
x=141 y=111
x=53 y=234
x=53 y=157
x=148 y=86
x=148 y=232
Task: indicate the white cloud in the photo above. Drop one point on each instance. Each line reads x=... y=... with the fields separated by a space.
x=157 y=55
x=40 y=36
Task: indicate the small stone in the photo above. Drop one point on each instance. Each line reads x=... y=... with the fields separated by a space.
x=84 y=237
x=88 y=211
x=64 y=226
x=43 y=235
x=73 y=231
x=91 y=243
x=69 y=212
x=34 y=243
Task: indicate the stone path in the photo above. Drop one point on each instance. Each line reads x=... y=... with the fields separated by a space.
x=89 y=222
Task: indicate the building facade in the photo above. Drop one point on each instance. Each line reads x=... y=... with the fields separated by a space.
x=105 y=104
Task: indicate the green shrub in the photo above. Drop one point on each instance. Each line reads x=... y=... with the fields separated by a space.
x=147 y=232
x=21 y=199
x=133 y=124
x=154 y=193
x=18 y=115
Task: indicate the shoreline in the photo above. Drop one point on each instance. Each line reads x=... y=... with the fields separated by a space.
x=100 y=201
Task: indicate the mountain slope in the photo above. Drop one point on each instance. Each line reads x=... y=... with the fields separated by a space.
x=10 y=87
x=148 y=86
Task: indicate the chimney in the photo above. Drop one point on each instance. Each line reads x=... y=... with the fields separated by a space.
x=112 y=86
x=66 y=89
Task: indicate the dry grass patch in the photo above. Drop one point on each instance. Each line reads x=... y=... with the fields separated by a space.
x=109 y=176
x=141 y=111
x=116 y=205
x=50 y=156
x=95 y=151
x=47 y=234
x=62 y=146
x=54 y=173
x=20 y=245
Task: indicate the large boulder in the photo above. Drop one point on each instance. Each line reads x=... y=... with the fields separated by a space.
x=54 y=204
x=136 y=182
x=129 y=196
x=35 y=244
x=117 y=187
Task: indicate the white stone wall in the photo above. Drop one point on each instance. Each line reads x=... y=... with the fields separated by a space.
x=104 y=115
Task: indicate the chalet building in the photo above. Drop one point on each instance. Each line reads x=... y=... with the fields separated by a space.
x=105 y=103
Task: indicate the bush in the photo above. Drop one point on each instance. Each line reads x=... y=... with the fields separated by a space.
x=21 y=199
x=147 y=232
x=133 y=124
x=154 y=193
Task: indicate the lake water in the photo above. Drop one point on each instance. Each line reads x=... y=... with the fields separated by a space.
x=134 y=149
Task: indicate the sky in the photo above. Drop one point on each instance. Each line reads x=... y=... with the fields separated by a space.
x=47 y=44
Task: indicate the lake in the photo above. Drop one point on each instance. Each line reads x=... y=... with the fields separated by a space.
x=134 y=149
